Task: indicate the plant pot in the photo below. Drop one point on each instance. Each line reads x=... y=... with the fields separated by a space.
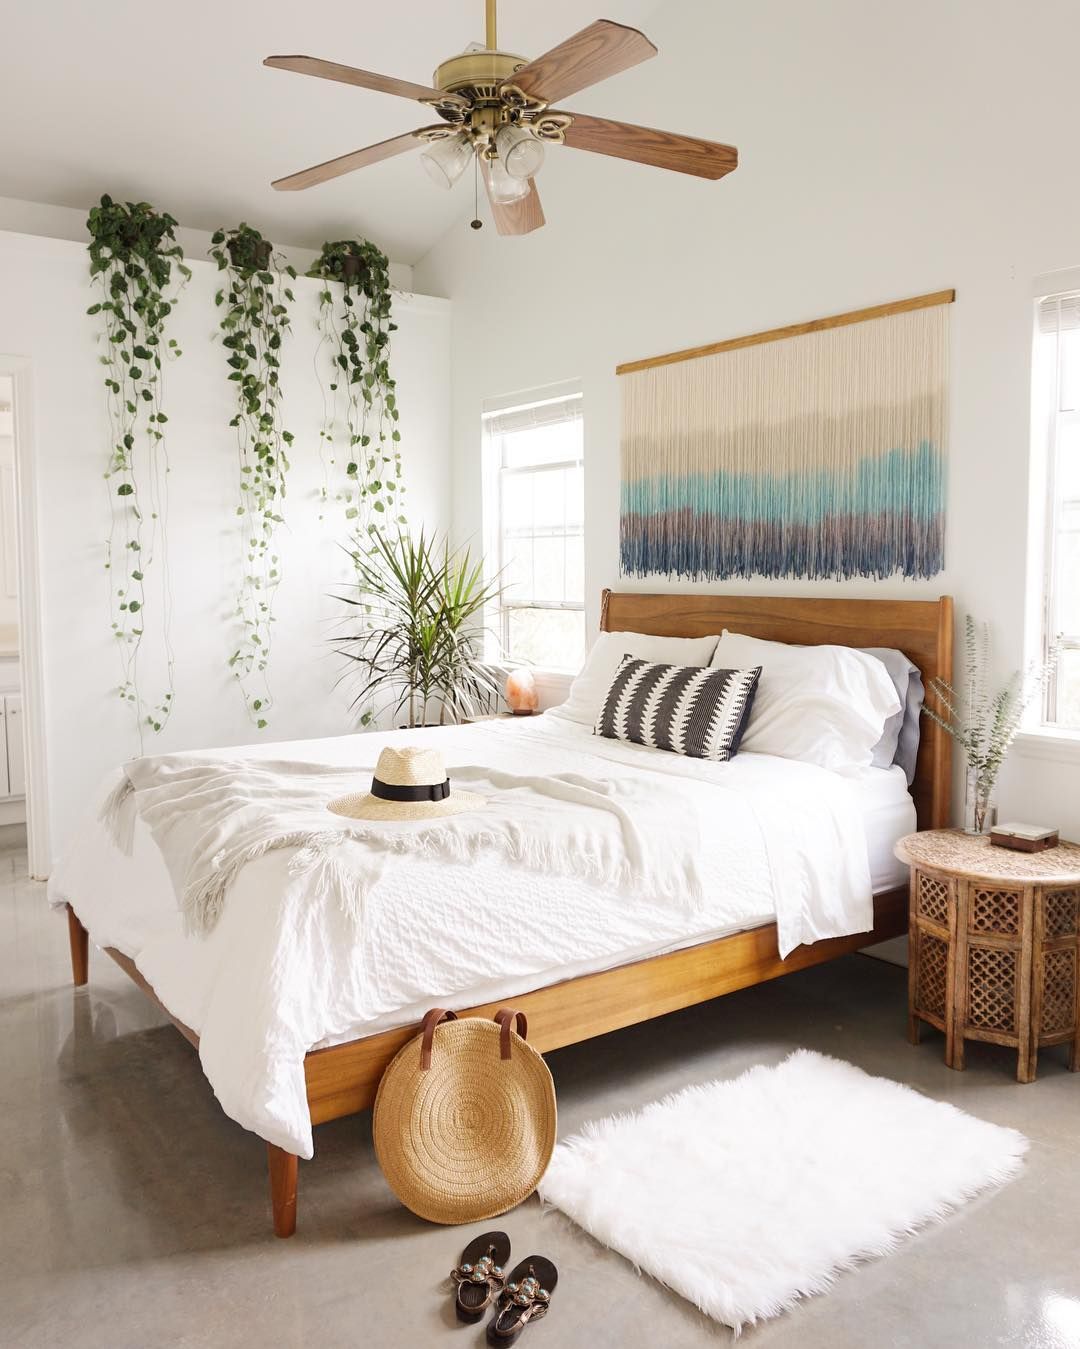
x=254 y=257
x=352 y=267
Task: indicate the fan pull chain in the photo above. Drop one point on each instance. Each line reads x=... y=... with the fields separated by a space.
x=476 y=223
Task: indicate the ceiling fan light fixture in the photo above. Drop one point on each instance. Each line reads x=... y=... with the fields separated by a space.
x=502 y=110
x=521 y=153
x=446 y=160
x=503 y=189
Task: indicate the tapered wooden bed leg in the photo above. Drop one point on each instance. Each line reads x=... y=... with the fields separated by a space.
x=283 y=1172
x=80 y=949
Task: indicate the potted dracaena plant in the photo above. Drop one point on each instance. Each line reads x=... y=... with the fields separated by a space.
x=417 y=650
x=984 y=721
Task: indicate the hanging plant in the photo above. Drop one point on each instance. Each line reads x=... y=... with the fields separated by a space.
x=133 y=254
x=360 y=440
x=254 y=322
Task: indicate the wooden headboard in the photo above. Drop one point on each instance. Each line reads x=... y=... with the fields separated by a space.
x=922 y=629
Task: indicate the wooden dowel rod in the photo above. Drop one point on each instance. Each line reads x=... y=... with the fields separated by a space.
x=878 y=311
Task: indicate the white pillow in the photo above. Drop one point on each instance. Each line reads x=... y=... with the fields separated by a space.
x=589 y=689
x=826 y=705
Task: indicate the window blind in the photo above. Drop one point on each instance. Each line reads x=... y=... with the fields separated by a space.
x=551 y=412
x=1058 y=314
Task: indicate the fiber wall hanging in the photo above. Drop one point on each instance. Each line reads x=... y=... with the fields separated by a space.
x=813 y=451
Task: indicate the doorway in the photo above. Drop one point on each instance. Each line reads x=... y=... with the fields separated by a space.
x=23 y=797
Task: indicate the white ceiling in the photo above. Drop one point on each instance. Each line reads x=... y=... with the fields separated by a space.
x=170 y=103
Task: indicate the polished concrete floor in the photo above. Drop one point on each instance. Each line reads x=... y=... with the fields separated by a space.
x=133 y=1214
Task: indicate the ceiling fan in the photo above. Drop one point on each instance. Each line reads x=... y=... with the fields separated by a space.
x=496 y=108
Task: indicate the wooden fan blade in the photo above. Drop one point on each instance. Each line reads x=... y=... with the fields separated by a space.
x=594 y=54
x=645 y=145
x=358 y=159
x=365 y=79
x=521 y=216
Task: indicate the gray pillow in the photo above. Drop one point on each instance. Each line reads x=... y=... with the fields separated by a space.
x=899 y=741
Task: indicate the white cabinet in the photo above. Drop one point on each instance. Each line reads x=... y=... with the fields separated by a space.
x=13 y=723
x=8 y=526
x=12 y=768
x=5 y=778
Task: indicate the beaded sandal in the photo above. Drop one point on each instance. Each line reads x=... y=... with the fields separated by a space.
x=480 y=1275
x=525 y=1298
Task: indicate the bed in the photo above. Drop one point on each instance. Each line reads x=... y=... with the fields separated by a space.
x=605 y=976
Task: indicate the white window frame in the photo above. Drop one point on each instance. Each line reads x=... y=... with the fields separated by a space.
x=495 y=475
x=1047 y=421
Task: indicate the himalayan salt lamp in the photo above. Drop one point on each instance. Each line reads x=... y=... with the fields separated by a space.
x=521 y=695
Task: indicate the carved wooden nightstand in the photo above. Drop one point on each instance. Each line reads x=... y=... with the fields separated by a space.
x=994 y=945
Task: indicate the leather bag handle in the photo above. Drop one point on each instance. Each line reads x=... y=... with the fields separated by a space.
x=427 y=1033
x=506 y=1016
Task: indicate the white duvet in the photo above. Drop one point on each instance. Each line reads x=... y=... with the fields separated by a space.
x=285 y=970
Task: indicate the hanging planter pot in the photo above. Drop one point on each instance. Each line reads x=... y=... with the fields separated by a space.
x=253 y=304
x=139 y=267
x=360 y=439
x=247 y=249
x=249 y=255
x=352 y=267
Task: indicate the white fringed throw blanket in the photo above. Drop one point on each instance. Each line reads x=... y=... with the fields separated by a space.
x=211 y=815
x=287 y=969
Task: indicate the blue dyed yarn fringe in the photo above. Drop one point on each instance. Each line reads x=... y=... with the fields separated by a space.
x=884 y=516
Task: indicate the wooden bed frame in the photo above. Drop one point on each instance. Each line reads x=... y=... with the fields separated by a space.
x=343 y=1079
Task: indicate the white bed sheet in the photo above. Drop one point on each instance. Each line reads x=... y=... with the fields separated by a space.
x=127 y=902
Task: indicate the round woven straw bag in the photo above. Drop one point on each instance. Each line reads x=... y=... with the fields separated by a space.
x=464 y=1118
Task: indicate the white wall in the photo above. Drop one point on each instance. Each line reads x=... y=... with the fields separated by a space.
x=886 y=151
x=44 y=292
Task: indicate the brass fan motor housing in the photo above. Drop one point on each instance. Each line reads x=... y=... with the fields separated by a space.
x=477 y=74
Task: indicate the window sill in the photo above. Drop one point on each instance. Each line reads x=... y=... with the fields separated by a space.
x=1049 y=742
x=552 y=679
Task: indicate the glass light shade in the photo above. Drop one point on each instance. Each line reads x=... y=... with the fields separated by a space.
x=521 y=153
x=502 y=188
x=446 y=160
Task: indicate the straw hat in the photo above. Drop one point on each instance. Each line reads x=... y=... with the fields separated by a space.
x=410 y=783
x=464 y=1118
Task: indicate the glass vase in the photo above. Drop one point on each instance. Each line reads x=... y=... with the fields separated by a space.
x=980 y=812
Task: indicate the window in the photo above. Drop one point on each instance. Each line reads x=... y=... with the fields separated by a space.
x=534 y=503
x=1056 y=400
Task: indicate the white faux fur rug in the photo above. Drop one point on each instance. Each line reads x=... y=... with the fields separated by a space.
x=744 y=1196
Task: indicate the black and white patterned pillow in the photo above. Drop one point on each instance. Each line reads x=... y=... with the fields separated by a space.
x=686 y=709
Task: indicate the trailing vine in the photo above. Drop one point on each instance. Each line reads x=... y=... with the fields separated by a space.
x=133 y=253
x=359 y=440
x=255 y=321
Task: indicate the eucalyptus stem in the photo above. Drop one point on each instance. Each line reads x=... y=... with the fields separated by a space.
x=984 y=723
